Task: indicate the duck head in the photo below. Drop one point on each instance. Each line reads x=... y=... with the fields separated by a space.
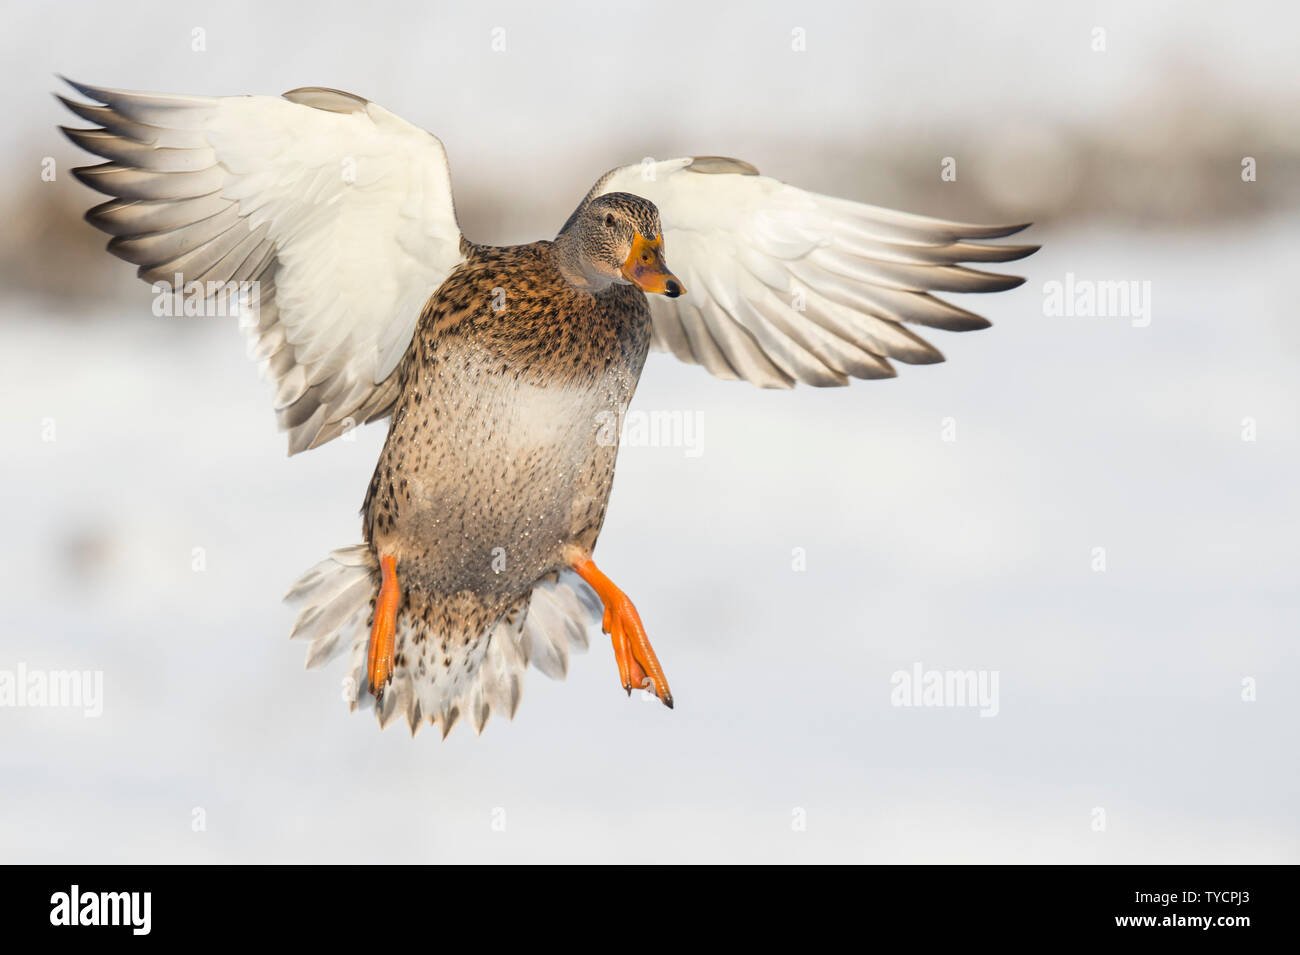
x=616 y=238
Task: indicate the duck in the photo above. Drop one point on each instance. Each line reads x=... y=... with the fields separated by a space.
x=329 y=223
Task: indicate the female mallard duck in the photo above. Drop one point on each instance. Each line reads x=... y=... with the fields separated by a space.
x=500 y=367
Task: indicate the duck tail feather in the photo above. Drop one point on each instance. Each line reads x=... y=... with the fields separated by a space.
x=439 y=678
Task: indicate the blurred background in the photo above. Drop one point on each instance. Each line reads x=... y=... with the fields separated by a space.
x=1146 y=709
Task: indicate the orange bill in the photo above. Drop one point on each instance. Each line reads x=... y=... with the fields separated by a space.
x=645 y=268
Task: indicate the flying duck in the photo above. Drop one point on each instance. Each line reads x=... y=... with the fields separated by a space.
x=332 y=222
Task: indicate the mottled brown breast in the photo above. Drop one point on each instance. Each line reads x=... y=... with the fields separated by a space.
x=499 y=454
x=514 y=302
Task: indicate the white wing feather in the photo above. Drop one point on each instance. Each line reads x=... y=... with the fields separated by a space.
x=785 y=285
x=338 y=209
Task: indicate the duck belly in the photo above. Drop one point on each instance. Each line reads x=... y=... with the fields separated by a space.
x=487 y=476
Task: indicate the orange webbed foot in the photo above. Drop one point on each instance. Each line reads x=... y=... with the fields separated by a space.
x=638 y=667
x=383 y=631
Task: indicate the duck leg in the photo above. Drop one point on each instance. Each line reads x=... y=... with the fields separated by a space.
x=383 y=632
x=637 y=663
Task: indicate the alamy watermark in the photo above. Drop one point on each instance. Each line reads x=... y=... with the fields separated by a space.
x=130 y=909
x=1091 y=298
x=181 y=299
x=945 y=688
x=652 y=429
x=65 y=689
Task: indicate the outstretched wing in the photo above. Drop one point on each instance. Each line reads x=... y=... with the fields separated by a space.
x=785 y=285
x=340 y=211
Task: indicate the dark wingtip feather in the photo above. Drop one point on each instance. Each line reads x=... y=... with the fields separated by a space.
x=973 y=323
x=972 y=230
x=995 y=282
x=1010 y=253
x=1006 y=230
x=931 y=357
x=82 y=138
x=90 y=92
x=90 y=176
x=83 y=110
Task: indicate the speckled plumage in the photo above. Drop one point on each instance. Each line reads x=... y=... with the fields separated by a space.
x=501 y=451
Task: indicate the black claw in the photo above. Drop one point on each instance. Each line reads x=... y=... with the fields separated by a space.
x=668 y=702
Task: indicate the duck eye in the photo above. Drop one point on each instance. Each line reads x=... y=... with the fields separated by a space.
x=609 y=219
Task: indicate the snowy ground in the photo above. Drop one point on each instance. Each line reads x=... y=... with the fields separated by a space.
x=1119 y=691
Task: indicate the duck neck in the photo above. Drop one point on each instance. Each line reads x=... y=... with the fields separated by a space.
x=573 y=265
